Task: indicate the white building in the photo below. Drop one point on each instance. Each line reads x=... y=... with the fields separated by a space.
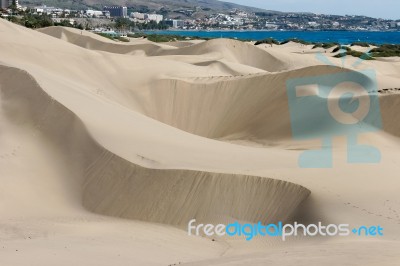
x=94 y=13
x=148 y=17
x=47 y=10
x=313 y=24
x=137 y=15
x=154 y=17
x=393 y=24
x=177 y=23
x=271 y=26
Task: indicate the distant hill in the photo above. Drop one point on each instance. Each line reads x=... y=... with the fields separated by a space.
x=202 y=6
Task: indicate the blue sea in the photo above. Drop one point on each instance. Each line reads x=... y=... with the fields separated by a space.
x=343 y=37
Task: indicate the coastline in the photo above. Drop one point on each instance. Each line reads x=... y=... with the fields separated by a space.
x=343 y=37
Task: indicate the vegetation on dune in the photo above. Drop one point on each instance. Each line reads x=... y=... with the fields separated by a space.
x=325 y=45
x=296 y=41
x=108 y=36
x=172 y=38
x=341 y=47
x=137 y=35
x=362 y=44
x=386 y=50
x=164 y=38
x=114 y=37
x=267 y=41
x=361 y=55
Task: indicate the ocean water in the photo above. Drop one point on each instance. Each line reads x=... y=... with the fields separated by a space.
x=343 y=37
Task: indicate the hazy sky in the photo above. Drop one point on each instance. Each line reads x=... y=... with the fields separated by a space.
x=378 y=9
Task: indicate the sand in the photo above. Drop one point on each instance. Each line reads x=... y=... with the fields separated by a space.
x=109 y=149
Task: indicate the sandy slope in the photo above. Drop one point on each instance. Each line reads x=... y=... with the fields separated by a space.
x=166 y=133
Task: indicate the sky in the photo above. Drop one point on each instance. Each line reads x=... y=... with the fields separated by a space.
x=388 y=9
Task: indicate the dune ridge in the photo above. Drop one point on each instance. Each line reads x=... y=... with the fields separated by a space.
x=193 y=108
x=229 y=50
x=114 y=186
x=213 y=108
x=95 y=42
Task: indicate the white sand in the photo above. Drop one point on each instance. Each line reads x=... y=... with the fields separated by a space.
x=93 y=131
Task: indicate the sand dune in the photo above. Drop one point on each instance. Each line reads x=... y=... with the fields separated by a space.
x=95 y=42
x=194 y=110
x=111 y=184
x=114 y=186
x=230 y=50
x=93 y=129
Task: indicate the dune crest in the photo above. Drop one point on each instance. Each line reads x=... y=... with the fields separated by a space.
x=230 y=50
x=113 y=186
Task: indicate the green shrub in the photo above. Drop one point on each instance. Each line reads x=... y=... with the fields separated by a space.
x=338 y=48
x=267 y=41
x=325 y=45
x=172 y=38
x=296 y=41
x=358 y=54
x=362 y=44
x=105 y=35
x=137 y=35
x=386 y=50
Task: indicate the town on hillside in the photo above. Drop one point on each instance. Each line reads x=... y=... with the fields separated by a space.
x=123 y=18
